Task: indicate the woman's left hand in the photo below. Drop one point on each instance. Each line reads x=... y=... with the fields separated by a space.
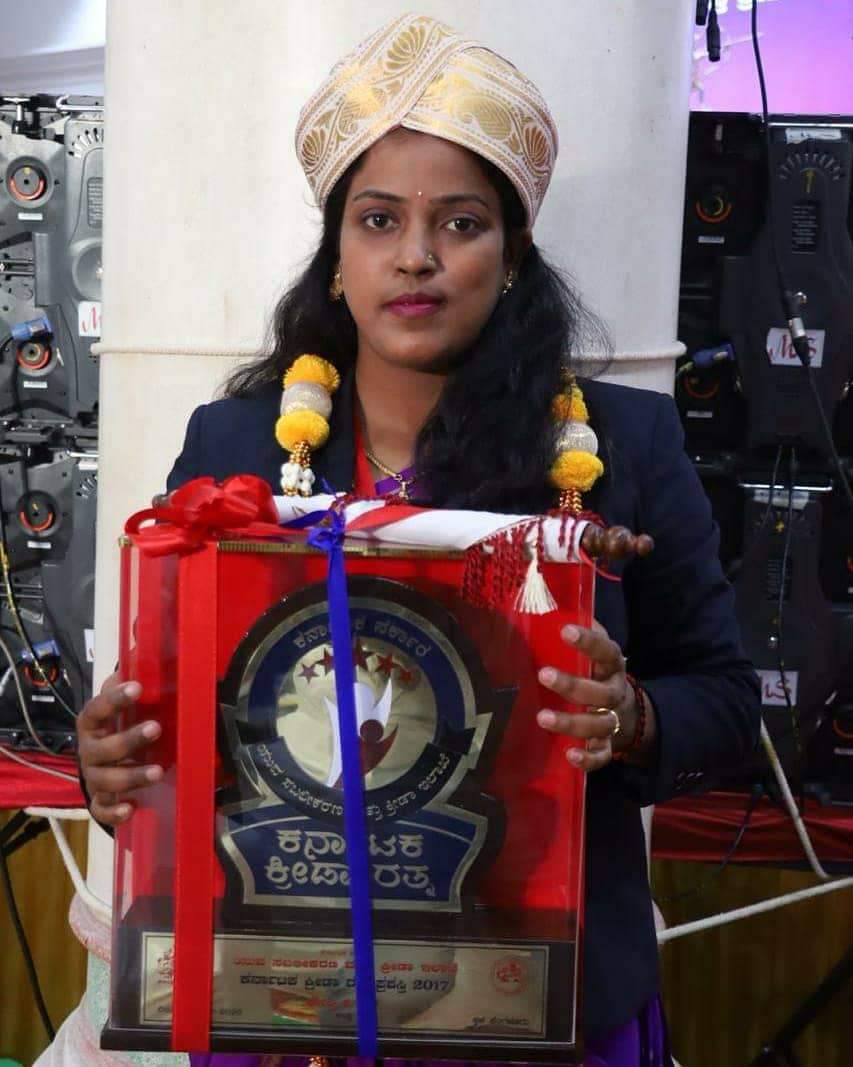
x=609 y=724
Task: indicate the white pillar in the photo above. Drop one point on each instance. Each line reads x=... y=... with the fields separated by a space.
x=207 y=214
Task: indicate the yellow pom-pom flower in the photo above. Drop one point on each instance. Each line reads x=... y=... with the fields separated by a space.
x=565 y=407
x=577 y=408
x=310 y=368
x=576 y=470
x=298 y=427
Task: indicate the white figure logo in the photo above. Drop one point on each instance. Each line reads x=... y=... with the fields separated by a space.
x=371 y=720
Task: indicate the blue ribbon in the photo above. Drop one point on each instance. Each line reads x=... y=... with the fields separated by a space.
x=329 y=537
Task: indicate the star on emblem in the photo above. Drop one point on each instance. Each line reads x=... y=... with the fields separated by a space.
x=385 y=665
x=327 y=662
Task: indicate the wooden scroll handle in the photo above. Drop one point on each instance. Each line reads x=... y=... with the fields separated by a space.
x=615 y=542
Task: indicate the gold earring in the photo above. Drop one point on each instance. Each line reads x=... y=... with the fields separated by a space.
x=336 y=289
x=509 y=282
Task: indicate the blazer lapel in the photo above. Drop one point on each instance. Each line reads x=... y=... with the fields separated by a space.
x=597 y=499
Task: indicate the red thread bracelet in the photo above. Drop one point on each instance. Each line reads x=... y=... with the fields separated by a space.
x=640 y=728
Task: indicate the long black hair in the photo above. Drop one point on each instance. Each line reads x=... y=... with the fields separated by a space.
x=489 y=442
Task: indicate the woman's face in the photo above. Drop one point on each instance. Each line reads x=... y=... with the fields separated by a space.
x=423 y=251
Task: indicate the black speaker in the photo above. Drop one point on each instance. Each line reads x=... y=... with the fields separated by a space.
x=836 y=554
x=830 y=755
x=808 y=234
x=729 y=303
x=723 y=209
x=32 y=167
x=36 y=488
x=782 y=560
x=51 y=213
x=68 y=581
x=53 y=725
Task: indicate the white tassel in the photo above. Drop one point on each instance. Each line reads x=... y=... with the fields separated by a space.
x=534 y=596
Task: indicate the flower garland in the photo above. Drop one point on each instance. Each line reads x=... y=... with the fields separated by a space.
x=303 y=427
x=576 y=467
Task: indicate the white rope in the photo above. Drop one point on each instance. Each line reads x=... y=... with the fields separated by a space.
x=773 y=902
x=165 y=348
x=790 y=804
x=65 y=814
x=752 y=909
x=54 y=816
x=93 y=903
x=672 y=351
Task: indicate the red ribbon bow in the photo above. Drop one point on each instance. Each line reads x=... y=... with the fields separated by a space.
x=201 y=510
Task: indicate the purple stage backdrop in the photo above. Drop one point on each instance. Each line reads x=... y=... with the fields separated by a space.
x=806 y=49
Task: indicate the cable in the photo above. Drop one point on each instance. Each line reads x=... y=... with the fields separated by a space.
x=66 y=644
x=771 y=197
x=754 y=797
x=8 y=892
x=799 y=340
x=22 y=700
x=9 y=754
x=712 y=34
x=771 y=492
x=19 y=622
x=780 y=609
x=737 y=565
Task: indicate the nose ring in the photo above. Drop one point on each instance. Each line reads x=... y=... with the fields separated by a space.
x=430 y=258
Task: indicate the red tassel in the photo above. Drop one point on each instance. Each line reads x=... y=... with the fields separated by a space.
x=495 y=568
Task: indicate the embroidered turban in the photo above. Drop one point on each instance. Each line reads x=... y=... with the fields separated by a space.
x=419 y=73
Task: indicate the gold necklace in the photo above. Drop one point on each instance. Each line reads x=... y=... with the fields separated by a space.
x=403 y=482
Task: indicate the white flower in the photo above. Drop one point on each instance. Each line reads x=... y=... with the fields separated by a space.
x=577 y=437
x=306 y=396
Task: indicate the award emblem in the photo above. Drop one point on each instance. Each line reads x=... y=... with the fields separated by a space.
x=427 y=718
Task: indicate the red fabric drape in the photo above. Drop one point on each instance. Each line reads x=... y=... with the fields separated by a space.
x=23 y=787
x=702 y=829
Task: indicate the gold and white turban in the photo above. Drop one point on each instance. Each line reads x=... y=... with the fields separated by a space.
x=419 y=73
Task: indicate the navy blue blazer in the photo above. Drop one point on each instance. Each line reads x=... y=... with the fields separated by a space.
x=673 y=615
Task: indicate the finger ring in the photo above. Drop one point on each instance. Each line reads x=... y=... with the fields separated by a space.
x=609 y=711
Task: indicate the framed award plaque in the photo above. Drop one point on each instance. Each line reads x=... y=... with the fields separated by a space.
x=473 y=817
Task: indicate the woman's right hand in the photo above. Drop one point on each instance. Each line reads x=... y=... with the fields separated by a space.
x=107 y=755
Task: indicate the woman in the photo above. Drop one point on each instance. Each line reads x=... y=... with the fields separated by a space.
x=429 y=156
